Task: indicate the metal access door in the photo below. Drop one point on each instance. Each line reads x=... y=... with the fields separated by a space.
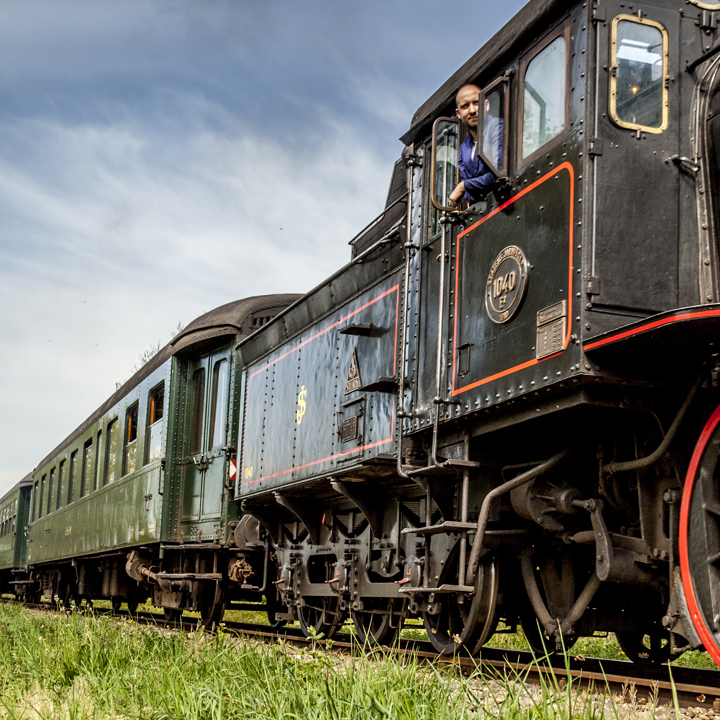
x=637 y=128
x=204 y=465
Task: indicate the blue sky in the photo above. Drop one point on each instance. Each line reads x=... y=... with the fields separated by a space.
x=158 y=159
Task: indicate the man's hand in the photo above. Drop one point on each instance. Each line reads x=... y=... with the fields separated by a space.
x=457 y=195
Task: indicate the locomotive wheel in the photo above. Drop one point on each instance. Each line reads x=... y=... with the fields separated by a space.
x=172 y=615
x=465 y=621
x=699 y=541
x=645 y=649
x=274 y=605
x=320 y=616
x=212 y=609
x=380 y=622
x=539 y=644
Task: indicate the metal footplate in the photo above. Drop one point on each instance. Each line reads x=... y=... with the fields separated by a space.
x=444 y=527
x=442 y=590
x=444 y=468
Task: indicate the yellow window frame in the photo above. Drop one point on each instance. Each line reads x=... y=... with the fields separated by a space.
x=614 y=68
x=706 y=5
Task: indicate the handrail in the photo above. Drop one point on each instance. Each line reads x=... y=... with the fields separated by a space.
x=377 y=219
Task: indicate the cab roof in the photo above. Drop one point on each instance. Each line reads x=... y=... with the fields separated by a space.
x=518 y=33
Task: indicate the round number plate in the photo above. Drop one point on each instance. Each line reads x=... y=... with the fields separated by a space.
x=506 y=284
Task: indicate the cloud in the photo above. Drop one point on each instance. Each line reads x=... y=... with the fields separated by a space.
x=111 y=234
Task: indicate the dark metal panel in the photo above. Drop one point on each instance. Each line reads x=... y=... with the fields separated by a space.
x=637 y=231
x=302 y=432
x=539 y=221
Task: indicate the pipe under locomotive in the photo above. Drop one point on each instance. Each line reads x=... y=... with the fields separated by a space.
x=508 y=413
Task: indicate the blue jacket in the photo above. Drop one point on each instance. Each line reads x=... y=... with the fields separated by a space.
x=474 y=173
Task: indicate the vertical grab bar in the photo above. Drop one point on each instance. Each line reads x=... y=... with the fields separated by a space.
x=409 y=247
x=438 y=399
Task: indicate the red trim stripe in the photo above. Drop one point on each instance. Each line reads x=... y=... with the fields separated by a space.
x=703 y=631
x=565 y=166
x=652 y=325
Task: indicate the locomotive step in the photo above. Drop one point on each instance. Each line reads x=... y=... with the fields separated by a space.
x=444 y=527
x=442 y=590
x=189 y=576
x=444 y=468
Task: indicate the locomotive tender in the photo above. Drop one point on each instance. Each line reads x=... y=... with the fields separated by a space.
x=505 y=413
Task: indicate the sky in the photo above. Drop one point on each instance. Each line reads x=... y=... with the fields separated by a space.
x=159 y=158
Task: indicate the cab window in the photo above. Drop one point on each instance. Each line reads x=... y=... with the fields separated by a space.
x=544 y=97
x=493 y=128
x=638 y=95
x=706 y=4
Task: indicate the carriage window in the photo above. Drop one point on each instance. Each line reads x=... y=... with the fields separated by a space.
x=545 y=89
x=219 y=404
x=42 y=496
x=86 y=471
x=638 y=96
x=71 y=476
x=154 y=445
x=706 y=4
x=111 y=452
x=98 y=445
x=61 y=482
x=51 y=487
x=493 y=131
x=196 y=420
x=131 y=432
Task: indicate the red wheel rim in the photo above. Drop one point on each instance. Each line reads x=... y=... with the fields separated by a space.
x=706 y=635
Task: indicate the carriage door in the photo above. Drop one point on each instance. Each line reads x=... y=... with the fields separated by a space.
x=206 y=422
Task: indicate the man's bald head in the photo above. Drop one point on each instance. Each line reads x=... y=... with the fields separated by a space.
x=466 y=106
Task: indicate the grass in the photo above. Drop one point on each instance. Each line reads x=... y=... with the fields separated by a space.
x=599 y=646
x=79 y=667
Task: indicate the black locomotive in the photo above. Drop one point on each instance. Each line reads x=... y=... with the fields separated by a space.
x=503 y=413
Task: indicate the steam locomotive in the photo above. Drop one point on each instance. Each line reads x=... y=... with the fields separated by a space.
x=504 y=413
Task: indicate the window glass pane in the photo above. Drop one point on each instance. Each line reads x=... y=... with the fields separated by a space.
x=131 y=420
x=494 y=128
x=41 y=509
x=196 y=420
x=111 y=452
x=50 y=494
x=61 y=484
x=86 y=468
x=219 y=404
x=71 y=477
x=544 y=98
x=98 y=445
x=639 y=81
x=446 y=155
x=154 y=443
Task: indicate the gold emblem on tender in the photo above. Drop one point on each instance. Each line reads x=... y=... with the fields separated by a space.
x=299 y=414
x=506 y=284
x=353 y=379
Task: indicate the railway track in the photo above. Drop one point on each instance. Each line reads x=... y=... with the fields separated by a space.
x=698 y=688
